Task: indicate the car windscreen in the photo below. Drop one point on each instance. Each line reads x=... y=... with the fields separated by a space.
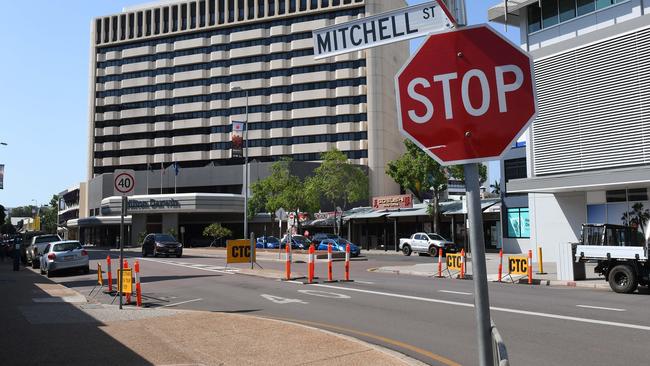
x=165 y=238
x=300 y=239
x=272 y=239
x=435 y=236
x=46 y=239
x=64 y=247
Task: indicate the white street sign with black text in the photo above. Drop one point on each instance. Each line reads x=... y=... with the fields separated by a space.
x=393 y=26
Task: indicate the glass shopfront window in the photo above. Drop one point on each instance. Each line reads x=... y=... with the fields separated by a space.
x=518 y=223
x=548 y=13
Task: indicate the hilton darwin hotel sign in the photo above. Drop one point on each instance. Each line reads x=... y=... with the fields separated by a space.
x=392 y=26
x=153 y=204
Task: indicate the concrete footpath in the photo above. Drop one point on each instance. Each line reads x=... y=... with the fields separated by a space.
x=549 y=278
x=47 y=323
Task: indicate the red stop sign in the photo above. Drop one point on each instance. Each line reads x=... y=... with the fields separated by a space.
x=465 y=96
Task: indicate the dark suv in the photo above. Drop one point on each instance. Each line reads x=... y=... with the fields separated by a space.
x=155 y=244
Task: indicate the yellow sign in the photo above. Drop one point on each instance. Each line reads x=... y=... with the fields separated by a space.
x=100 y=279
x=239 y=251
x=518 y=265
x=128 y=280
x=454 y=261
x=37 y=223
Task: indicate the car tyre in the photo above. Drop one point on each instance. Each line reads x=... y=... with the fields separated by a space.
x=42 y=271
x=35 y=264
x=48 y=273
x=433 y=251
x=406 y=250
x=622 y=279
x=179 y=255
x=154 y=253
x=144 y=252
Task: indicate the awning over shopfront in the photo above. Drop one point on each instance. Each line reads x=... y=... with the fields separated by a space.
x=98 y=220
x=369 y=214
x=419 y=209
x=456 y=207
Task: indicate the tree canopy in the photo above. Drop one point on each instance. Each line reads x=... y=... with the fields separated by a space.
x=337 y=181
x=216 y=231
x=280 y=189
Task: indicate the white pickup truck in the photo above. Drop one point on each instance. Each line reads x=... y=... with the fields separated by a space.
x=426 y=243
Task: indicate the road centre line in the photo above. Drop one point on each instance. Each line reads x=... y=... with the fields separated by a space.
x=500 y=309
x=364 y=282
x=599 y=308
x=180 y=303
x=188 y=265
x=456 y=292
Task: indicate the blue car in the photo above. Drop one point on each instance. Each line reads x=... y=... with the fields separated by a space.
x=338 y=245
x=268 y=242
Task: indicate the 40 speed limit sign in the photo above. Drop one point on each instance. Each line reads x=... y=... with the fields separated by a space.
x=124 y=182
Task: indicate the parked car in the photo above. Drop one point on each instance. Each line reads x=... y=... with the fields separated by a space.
x=269 y=242
x=339 y=245
x=36 y=247
x=318 y=237
x=61 y=255
x=155 y=244
x=426 y=243
x=297 y=242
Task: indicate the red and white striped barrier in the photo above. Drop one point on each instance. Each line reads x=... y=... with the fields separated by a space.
x=347 y=263
x=500 y=264
x=530 y=267
x=311 y=266
x=439 y=262
x=329 y=263
x=462 y=264
x=288 y=264
x=138 y=289
x=110 y=274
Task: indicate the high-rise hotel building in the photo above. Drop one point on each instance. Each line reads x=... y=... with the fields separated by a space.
x=168 y=78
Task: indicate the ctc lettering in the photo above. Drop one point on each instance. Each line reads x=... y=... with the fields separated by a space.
x=518 y=265
x=240 y=252
x=453 y=261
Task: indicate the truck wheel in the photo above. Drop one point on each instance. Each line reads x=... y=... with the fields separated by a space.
x=406 y=249
x=433 y=251
x=622 y=279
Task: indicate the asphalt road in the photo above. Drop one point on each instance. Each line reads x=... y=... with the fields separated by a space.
x=429 y=319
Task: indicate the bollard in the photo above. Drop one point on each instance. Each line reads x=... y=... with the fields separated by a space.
x=500 y=264
x=347 y=262
x=462 y=264
x=530 y=267
x=311 y=267
x=288 y=265
x=330 y=277
x=110 y=275
x=138 y=289
x=540 y=261
x=128 y=296
x=439 y=262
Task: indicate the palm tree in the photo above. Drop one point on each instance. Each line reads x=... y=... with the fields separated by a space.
x=637 y=217
x=496 y=187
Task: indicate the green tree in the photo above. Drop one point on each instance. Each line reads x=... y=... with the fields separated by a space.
x=337 y=181
x=216 y=231
x=419 y=173
x=23 y=211
x=49 y=216
x=496 y=187
x=638 y=216
x=280 y=189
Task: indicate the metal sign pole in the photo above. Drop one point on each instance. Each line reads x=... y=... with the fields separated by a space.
x=122 y=214
x=252 y=249
x=477 y=244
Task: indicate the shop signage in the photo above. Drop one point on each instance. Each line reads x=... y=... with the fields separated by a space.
x=324 y=215
x=392 y=202
x=153 y=204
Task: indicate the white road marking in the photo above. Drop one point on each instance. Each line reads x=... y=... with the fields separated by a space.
x=456 y=292
x=180 y=303
x=505 y=310
x=331 y=295
x=364 y=282
x=599 y=308
x=282 y=300
x=193 y=266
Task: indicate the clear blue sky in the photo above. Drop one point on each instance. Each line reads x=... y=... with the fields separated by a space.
x=44 y=93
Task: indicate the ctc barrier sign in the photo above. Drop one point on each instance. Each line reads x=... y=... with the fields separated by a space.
x=518 y=265
x=454 y=261
x=239 y=251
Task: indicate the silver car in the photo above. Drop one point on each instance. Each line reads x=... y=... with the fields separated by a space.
x=64 y=255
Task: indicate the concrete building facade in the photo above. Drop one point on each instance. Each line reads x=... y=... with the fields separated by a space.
x=168 y=79
x=588 y=153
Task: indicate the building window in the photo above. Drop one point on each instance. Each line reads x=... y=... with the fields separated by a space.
x=148 y=21
x=518 y=223
x=174 y=18
x=165 y=20
x=567 y=10
x=553 y=12
x=597 y=214
x=615 y=196
x=156 y=21
x=638 y=194
x=534 y=18
x=515 y=168
x=549 y=13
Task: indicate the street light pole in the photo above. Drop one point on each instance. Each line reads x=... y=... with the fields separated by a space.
x=245 y=185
